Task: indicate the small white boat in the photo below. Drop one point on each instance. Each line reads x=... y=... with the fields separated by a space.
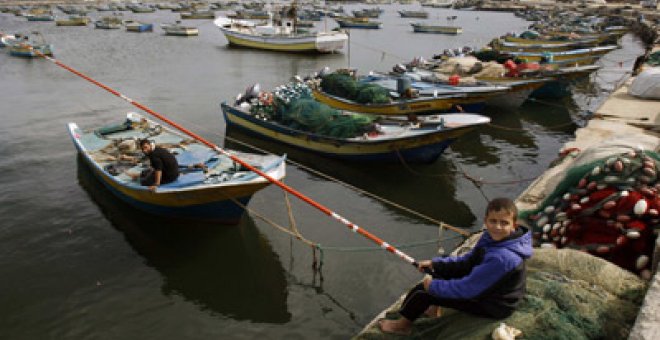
x=179 y=30
x=284 y=36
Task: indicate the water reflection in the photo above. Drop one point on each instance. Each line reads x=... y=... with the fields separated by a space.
x=230 y=270
x=427 y=189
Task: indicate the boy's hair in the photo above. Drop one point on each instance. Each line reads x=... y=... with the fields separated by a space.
x=502 y=203
x=144 y=141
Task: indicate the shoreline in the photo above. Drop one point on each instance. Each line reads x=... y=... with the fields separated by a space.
x=620 y=114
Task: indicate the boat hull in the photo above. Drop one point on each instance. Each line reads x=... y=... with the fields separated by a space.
x=422 y=105
x=418 y=149
x=322 y=43
x=213 y=203
x=27 y=52
x=451 y=30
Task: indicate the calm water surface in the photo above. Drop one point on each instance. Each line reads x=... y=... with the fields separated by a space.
x=77 y=263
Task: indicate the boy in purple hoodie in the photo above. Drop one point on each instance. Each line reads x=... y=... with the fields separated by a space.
x=488 y=281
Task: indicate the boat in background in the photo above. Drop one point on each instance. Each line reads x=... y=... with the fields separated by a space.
x=281 y=34
x=29 y=46
x=73 y=20
x=108 y=23
x=198 y=14
x=438 y=29
x=345 y=135
x=209 y=194
x=414 y=14
x=137 y=26
x=364 y=23
x=177 y=29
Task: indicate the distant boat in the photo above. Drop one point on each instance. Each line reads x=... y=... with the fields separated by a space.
x=136 y=26
x=107 y=23
x=198 y=14
x=425 y=28
x=282 y=36
x=438 y=3
x=179 y=30
x=139 y=8
x=73 y=20
x=363 y=138
x=40 y=17
x=29 y=46
x=195 y=194
x=357 y=23
x=414 y=14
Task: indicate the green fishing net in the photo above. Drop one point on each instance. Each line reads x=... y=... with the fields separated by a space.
x=570 y=295
x=309 y=115
x=344 y=86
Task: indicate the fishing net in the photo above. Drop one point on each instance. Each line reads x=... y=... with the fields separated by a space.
x=309 y=115
x=570 y=295
x=608 y=207
x=344 y=86
x=654 y=59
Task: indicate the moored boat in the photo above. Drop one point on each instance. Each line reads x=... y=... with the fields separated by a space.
x=358 y=23
x=195 y=194
x=438 y=29
x=414 y=14
x=345 y=93
x=110 y=22
x=564 y=55
x=137 y=26
x=29 y=46
x=179 y=30
x=285 y=36
x=306 y=124
x=198 y=14
x=73 y=20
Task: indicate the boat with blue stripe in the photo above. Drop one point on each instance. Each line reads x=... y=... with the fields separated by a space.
x=210 y=192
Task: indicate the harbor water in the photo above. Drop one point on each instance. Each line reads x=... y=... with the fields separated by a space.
x=77 y=263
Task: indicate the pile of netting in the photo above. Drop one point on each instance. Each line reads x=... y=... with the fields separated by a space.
x=345 y=86
x=570 y=295
x=608 y=207
x=292 y=105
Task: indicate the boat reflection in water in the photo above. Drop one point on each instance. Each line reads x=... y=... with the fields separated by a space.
x=229 y=270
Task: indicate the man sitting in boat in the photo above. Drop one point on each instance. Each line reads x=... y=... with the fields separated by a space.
x=164 y=167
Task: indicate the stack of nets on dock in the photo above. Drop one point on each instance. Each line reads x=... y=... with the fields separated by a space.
x=345 y=86
x=570 y=295
x=608 y=207
x=292 y=105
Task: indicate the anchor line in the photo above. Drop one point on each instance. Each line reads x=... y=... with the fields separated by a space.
x=354 y=227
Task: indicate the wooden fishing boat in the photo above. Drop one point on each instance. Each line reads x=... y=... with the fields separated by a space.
x=391 y=140
x=137 y=26
x=196 y=194
x=414 y=14
x=198 y=14
x=437 y=29
x=358 y=23
x=405 y=106
x=179 y=30
x=506 y=46
x=108 y=23
x=565 y=55
x=73 y=20
x=284 y=37
x=28 y=46
x=527 y=41
x=40 y=17
x=139 y=8
x=431 y=89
